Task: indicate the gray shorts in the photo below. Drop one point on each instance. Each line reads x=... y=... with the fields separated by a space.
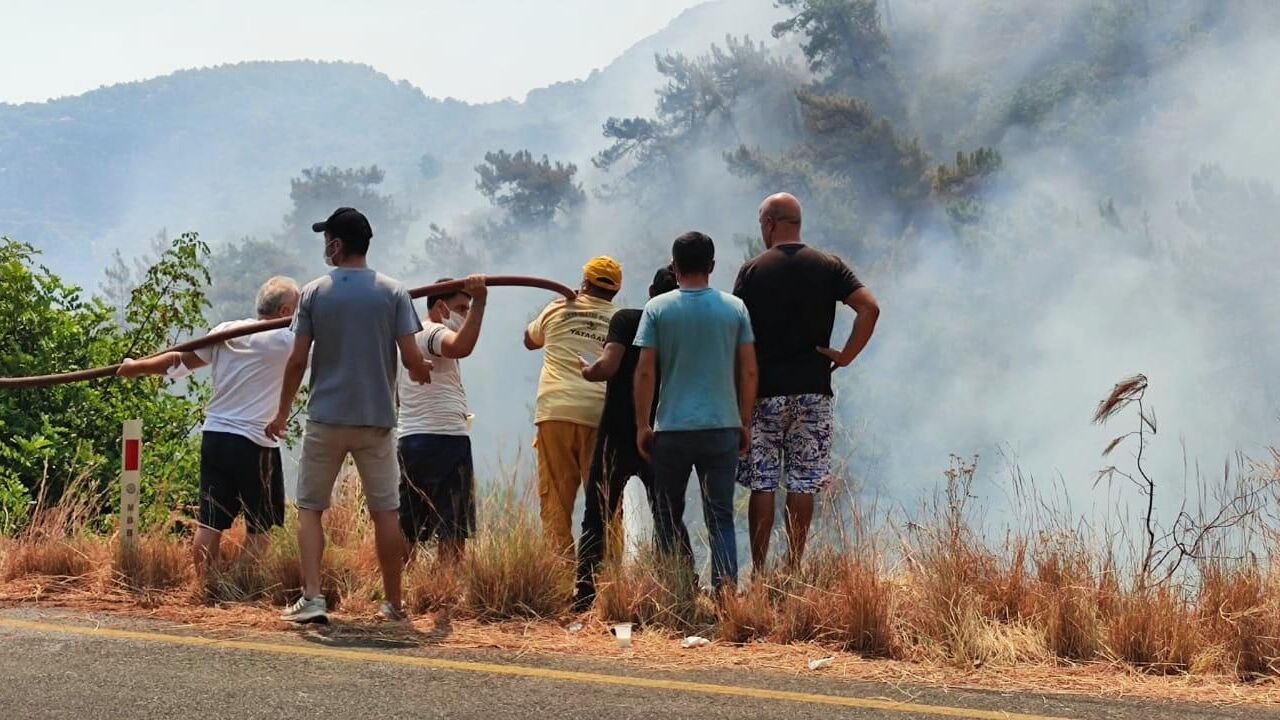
x=325 y=448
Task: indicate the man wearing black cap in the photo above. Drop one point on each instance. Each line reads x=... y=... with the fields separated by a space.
x=356 y=319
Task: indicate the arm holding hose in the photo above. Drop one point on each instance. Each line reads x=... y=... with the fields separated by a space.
x=159 y=364
x=32 y=381
x=460 y=344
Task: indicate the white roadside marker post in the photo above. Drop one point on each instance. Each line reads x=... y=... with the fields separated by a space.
x=130 y=481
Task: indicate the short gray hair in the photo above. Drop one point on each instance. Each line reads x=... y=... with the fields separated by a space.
x=275 y=294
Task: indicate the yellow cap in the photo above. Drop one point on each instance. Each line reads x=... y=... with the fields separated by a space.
x=603 y=272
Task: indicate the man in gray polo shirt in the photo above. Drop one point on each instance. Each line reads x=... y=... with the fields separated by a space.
x=356 y=319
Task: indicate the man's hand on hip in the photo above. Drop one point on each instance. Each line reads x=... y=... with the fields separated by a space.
x=838 y=358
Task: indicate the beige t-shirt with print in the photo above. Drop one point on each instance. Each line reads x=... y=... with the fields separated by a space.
x=567 y=331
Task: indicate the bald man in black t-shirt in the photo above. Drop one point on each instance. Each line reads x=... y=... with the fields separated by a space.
x=791 y=291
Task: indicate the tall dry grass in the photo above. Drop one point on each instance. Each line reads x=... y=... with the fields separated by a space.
x=657 y=591
x=511 y=570
x=936 y=588
x=56 y=543
x=843 y=599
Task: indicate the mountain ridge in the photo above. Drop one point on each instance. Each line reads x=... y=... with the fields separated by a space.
x=213 y=149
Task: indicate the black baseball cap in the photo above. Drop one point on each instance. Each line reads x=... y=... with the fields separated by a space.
x=664 y=280
x=346 y=223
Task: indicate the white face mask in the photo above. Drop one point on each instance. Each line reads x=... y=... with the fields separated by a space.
x=453 y=322
x=328 y=256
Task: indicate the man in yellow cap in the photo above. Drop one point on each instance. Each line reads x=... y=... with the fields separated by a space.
x=570 y=333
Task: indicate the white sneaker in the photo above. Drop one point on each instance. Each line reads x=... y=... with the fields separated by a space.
x=307 y=610
x=390 y=612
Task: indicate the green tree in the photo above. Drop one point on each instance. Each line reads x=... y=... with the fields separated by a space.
x=959 y=186
x=530 y=192
x=852 y=162
x=239 y=269
x=429 y=167
x=847 y=47
x=121 y=277
x=51 y=436
x=318 y=191
x=863 y=174
x=446 y=254
x=719 y=97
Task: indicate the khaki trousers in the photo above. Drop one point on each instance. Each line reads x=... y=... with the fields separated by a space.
x=564 y=461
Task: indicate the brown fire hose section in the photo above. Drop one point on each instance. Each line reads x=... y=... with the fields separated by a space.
x=264 y=325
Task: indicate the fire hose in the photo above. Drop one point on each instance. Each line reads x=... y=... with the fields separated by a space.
x=265 y=325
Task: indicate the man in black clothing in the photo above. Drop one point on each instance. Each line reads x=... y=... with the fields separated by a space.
x=616 y=458
x=791 y=291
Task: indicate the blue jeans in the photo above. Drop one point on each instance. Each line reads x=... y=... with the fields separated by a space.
x=714 y=454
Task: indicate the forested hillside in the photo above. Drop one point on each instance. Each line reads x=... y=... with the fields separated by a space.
x=214 y=149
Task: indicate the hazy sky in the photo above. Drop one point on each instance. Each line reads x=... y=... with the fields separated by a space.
x=468 y=49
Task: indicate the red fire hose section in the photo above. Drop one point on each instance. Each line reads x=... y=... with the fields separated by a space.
x=264 y=325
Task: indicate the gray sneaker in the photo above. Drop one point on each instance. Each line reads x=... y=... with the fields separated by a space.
x=307 y=610
x=390 y=612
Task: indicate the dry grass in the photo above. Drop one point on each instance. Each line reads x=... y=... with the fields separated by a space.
x=511 y=570
x=656 y=592
x=839 y=600
x=934 y=597
x=62 y=558
x=434 y=586
x=56 y=543
x=1240 y=607
x=857 y=605
x=157 y=562
x=1066 y=604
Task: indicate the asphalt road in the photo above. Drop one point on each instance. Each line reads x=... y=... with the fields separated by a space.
x=60 y=665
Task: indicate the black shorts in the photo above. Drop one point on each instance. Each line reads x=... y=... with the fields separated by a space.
x=437 y=487
x=237 y=476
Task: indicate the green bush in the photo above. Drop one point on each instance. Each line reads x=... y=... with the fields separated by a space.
x=51 y=435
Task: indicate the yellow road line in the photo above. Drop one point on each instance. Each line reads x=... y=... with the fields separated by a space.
x=365 y=656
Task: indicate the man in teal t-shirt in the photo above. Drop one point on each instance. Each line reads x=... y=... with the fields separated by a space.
x=701 y=340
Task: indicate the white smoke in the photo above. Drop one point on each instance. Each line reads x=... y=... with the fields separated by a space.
x=1011 y=344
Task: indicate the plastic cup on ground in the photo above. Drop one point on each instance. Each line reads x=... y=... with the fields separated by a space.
x=622 y=631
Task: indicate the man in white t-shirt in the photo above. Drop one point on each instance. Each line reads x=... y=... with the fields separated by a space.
x=240 y=467
x=437 y=484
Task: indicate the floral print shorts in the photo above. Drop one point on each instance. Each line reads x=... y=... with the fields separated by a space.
x=791 y=438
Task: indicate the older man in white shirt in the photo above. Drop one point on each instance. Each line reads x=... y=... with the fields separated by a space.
x=240 y=469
